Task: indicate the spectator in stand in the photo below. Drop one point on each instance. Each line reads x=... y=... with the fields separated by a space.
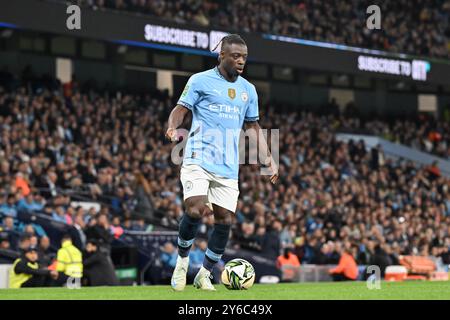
x=59 y=214
x=246 y=237
x=4 y=241
x=143 y=194
x=28 y=204
x=126 y=225
x=32 y=229
x=324 y=256
x=45 y=256
x=289 y=265
x=271 y=244
x=445 y=256
x=22 y=184
x=91 y=214
x=117 y=229
x=347 y=269
x=8 y=230
x=101 y=232
x=381 y=259
x=8 y=224
x=34 y=241
x=69 y=262
x=288 y=235
x=169 y=255
x=97 y=267
x=47 y=183
x=5 y=245
x=24 y=242
x=70 y=211
x=139 y=225
x=434 y=170
x=26 y=271
x=9 y=208
x=80 y=225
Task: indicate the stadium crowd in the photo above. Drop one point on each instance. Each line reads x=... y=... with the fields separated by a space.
x=407 y=26
x=337 y=194
x=59 y=144
x=424 y=133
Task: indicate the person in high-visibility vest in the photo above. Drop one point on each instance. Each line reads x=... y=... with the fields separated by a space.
x=289 y=264
x=347 y=269
x=26 y=272
x=69 y=262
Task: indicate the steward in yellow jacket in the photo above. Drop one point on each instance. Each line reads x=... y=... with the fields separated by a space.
x=26 y=271
x=69 y=261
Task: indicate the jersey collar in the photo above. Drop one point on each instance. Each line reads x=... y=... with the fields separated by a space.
x=216 y=69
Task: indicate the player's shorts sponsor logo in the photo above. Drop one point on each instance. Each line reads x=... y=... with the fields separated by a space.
x=244 y=96
x=189 y=186
x=232 y=93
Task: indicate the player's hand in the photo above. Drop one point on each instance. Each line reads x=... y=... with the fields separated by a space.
x=275 y=175
x=54 y=274
x=171 y=135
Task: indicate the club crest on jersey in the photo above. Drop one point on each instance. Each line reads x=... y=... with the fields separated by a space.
x=232 y=93
x=244 y=96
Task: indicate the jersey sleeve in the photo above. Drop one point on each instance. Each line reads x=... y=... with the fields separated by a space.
x=191 y=93
x=252 y=113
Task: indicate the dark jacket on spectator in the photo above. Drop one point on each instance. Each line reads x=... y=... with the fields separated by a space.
x=102 y=235
x=271 y=245
x=45 y=257
x=99 y=270
x=381 y=259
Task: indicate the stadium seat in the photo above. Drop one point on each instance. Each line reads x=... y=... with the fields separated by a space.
x=418 y=266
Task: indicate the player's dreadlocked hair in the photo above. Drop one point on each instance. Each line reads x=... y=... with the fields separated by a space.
x=230 y=39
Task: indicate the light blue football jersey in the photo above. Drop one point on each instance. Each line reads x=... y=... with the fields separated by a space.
x=219 y=109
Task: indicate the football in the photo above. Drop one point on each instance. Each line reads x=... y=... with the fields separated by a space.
x=238 y=274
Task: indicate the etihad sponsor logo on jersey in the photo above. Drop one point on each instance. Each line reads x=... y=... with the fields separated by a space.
x=226 y=111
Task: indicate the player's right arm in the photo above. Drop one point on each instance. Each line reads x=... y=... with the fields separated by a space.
x=175 y=120
x=186 y=103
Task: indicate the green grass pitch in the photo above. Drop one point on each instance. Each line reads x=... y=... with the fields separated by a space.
x=421 y=290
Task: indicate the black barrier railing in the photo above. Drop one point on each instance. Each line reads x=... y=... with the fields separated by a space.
x=153 y=217
x=8 y=256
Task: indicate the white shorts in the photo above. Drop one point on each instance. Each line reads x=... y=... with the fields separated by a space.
x=221 y=191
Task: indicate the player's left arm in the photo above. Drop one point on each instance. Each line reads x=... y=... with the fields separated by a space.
x=263 y=149
x=251 y=123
